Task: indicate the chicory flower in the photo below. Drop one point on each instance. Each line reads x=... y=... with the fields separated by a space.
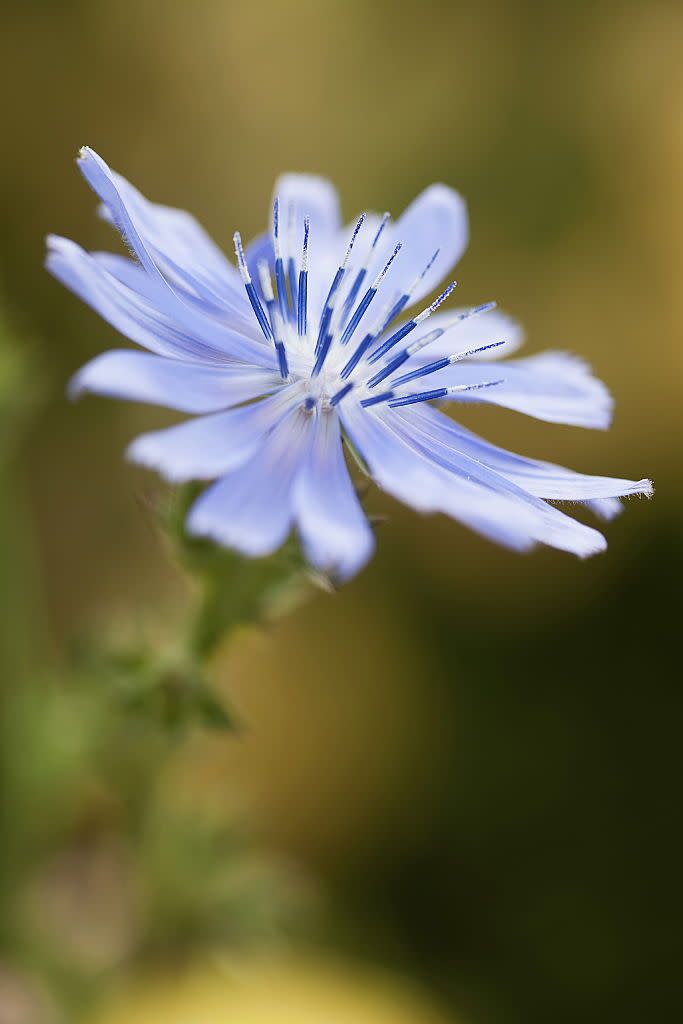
x=309 y=344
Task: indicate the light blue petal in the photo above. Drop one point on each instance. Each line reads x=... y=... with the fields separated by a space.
x=210 y=446
x=177 y=238
x=428 y=487
x=309 y=196
x=260 y=250
x=137 y=320
x=181 y=249
x=335 y=534
x=543 y=479
x=250 y=509
x=474 y=332
x=436 y=219
x=142 y=313
x=113 y=191
x=108 y=187
x=173 y=383
x=546 y=525
x=178 y=246
x=132 y=275
x=300 y=196
x=553 y=386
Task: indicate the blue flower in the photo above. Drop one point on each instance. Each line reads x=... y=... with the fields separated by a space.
x=308 y=343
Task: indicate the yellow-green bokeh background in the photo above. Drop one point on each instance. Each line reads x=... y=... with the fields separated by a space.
x=472 y=754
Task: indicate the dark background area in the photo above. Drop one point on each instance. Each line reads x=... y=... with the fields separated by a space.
x=472 y=757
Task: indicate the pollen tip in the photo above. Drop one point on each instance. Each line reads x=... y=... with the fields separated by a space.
x=383 y=223
x=444 y=295
x=457 y=389
x=239 y=249
x=354 y=236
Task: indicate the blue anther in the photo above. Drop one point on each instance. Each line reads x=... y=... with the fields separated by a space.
x=282 y=359
x=302 y=325
x=358 y=315
x=398 y=306
x=327 y=311
x=336 y=399
x=423 y=371
x=258 y=309
x=398 y=335
x=249 y=287
x=376 y=399
x=281 y=288
x=322 y=355
x=357 y=356
x=302 y=305
x=421 y=396
x=390 y=368
x=353 y=293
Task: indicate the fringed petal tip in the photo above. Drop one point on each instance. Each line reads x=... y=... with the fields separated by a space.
x=609 y=508
x=635 y=488
x=577 y=372
x=87 y=155
x=90 y=163
x=646 y=488
x=602 y=413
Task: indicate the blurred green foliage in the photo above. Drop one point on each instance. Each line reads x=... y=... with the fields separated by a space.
x=96 y=869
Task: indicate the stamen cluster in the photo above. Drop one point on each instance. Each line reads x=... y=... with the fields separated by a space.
x=326 y=359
